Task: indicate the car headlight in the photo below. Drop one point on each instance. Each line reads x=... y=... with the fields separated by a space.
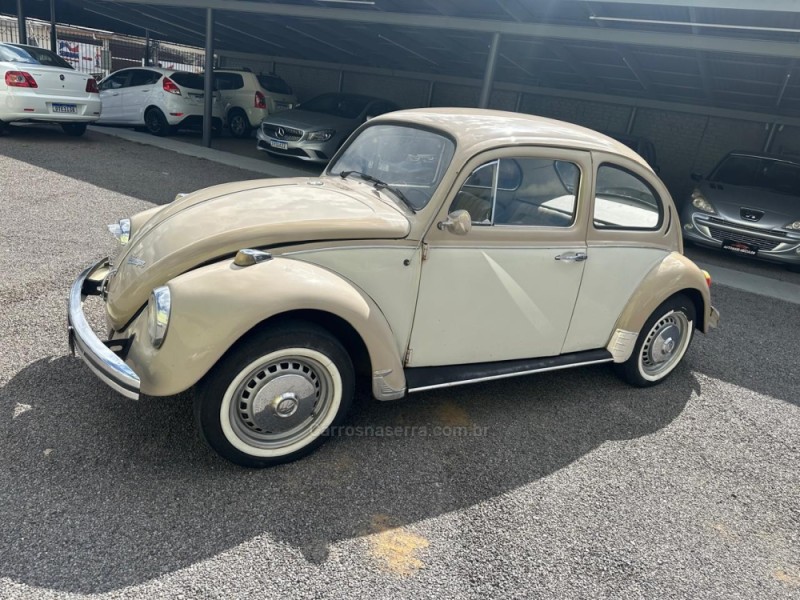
x=121 y=230
x=158 y=309
x=699 y=202
x=321 y=136
x=793 y=226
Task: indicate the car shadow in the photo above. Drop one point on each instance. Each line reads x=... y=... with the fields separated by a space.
x=100 y=493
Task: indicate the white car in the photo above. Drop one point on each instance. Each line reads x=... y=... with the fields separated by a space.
x=251 y=98
x=37 y=85
x=161 y=100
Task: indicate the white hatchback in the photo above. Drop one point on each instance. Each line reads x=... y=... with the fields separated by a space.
x=161 y=100
x=37 y=85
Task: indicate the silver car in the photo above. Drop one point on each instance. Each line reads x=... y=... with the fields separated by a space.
x=316 y=129
x=750 y=206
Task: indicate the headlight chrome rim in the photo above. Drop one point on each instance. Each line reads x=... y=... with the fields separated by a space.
x=158 y=312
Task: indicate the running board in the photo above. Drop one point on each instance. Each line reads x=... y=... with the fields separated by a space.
x=420 y=379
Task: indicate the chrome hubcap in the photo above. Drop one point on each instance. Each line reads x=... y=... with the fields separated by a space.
x=665 y=343
x=280 y=402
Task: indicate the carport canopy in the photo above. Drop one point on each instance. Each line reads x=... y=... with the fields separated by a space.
x=715 y=54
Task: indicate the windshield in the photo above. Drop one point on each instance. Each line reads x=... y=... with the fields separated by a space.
x=33 y=56
x=274 y=84
x=767 y=173
x=347 y=106
x=407 y=159
x=188 y=80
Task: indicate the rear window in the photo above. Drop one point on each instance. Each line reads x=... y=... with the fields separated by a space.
x=33 y=56
x=188 y=80
x=273 y=84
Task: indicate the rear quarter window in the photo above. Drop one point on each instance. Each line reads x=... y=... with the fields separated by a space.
x=623 y=200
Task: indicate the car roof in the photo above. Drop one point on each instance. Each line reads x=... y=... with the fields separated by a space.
x=161 y=70
x=766 y=155
x=476 y=128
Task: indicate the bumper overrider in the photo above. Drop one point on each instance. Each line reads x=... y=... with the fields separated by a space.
x=107 y=363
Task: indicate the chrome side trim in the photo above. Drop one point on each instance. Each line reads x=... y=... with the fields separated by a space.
x=109 y=367
x=382 y=390
x=508 y=375
x=621 y=344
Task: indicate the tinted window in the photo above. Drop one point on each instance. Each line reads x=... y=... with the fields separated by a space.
x=115 y=81
x=143 y=77
x=347 y=106
x=624 y=201
x=27 y=54
x=405 y=158
x=274 y=84
x=228 y=81
x=381 y=108
x=188 y=80
x=534 y=192
x=775 y=175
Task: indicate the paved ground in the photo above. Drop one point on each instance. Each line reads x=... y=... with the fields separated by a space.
x=579 y=487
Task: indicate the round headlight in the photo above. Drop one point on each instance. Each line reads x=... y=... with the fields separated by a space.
x=121 y=230
x=158 y=309
x=794 y=226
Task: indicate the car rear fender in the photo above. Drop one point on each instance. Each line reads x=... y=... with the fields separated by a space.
x=675 y=274
x=216 y=305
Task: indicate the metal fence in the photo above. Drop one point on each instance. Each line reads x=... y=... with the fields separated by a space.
x=100 y=52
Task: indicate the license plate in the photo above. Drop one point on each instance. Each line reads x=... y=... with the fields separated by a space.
x=279 y=145
x=739 y=248
x=65 y=108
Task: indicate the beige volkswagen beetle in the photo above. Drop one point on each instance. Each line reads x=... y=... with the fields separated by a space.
x=439 y=247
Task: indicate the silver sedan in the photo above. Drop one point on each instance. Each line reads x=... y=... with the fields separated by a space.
x=750 y=206
x=316 y=129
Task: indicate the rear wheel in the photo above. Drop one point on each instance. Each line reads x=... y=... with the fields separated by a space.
x=239 y=124
x=74 y=129
x=156 y=122
x=274 y=397
x=662 y=343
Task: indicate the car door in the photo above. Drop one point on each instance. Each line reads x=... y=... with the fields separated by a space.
x=136 y=95
x=505 y=290
x=627 y=236
x=111 y=89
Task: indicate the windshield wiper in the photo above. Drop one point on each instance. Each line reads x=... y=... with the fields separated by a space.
x=380 y=185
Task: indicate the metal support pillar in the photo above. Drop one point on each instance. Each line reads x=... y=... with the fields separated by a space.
x=208 y=84
x=146 y=47
x=488 y=76
x=21 y=29
x=53 y=32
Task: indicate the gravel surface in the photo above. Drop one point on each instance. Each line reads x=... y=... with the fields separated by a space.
x=578 y=485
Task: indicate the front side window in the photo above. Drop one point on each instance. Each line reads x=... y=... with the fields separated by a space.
x=532 y=192
x=407 y=160
x=624 y=201
x=116 y=81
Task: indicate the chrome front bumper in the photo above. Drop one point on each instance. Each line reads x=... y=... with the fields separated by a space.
x=83 y=341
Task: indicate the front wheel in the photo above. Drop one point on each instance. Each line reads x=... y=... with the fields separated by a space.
x=274 y=397
x=662 y=343
x=74 y=129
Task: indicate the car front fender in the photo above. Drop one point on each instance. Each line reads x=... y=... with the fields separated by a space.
x=212 y=307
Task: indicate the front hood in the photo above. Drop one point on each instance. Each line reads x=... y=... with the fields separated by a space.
x=729 y=200
x=310 y=121
x=220 y=220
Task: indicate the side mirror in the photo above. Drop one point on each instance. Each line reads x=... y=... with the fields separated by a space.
x=458 y=222
x=697 y=176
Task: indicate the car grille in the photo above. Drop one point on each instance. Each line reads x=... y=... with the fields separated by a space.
x=289 y=134
x=747 y=227
x=737 y=236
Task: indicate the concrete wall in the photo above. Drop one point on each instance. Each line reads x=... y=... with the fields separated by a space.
x=685 y=141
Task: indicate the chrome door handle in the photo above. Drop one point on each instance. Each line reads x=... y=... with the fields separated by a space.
x=572 y=257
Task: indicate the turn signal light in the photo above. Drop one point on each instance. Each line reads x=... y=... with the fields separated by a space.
x=20 y=79
x=707 y=275
x=171 y=87
x=261 y=100
x=91 y=86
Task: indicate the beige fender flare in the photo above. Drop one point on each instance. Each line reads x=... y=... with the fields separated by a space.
x=674 y=274
x=212 y=307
